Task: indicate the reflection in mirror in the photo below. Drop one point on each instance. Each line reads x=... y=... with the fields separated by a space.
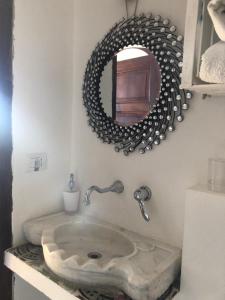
x=130 y=85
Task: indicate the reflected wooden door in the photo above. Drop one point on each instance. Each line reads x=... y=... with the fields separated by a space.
x=132 y=90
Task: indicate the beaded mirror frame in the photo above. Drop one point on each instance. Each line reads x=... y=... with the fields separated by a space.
x=157 y=35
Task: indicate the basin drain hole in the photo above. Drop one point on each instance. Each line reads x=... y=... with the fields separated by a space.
x=94 y=255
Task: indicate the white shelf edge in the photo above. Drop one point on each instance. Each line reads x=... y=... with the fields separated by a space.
x=36 y=279
x=212 y=89
x=203 y=188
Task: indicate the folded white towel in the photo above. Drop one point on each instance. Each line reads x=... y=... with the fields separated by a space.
x=213 y=64
x=216 y=9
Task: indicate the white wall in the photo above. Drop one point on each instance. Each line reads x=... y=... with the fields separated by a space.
x=130 y=53
x=176 y=164
x=41 y=111
x=41 y=123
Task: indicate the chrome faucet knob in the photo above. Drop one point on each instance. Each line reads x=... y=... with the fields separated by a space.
x=142 y=195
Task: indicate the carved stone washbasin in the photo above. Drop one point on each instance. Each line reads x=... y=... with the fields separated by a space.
x=93 y=253
x=85 y=246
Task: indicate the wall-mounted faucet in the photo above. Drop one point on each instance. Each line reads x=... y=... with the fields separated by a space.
x=142 y=195
x=116 y=187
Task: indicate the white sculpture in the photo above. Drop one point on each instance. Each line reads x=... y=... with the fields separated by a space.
x=213 y=60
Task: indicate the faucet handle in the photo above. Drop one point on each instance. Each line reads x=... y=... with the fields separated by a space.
x=142 y=195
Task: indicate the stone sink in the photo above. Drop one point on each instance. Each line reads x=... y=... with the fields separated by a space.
x=94 y=253
x=84 y=246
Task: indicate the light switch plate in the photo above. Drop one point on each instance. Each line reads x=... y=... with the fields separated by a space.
x=37 y=162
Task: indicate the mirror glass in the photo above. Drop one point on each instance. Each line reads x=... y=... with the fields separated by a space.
x=130 y=85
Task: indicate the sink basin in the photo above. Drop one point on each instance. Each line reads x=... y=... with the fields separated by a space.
x=94 y=253
x=90 y=243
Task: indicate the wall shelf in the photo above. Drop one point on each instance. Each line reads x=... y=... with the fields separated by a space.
x=36 y=275
x=27 y=261
x=199 y=36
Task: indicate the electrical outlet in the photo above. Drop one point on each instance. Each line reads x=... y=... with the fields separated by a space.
x=37 y=162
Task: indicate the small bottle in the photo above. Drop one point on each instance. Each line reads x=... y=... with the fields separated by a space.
x=71 y=196
x=72 y=185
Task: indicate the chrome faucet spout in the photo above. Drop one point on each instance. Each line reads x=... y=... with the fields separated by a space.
x=88 y=194
x=116 y=187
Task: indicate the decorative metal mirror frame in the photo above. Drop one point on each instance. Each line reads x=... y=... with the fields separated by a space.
x=157 y=35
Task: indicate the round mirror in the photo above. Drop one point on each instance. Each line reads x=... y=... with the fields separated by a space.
x=130 y=85
x=132 y=94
